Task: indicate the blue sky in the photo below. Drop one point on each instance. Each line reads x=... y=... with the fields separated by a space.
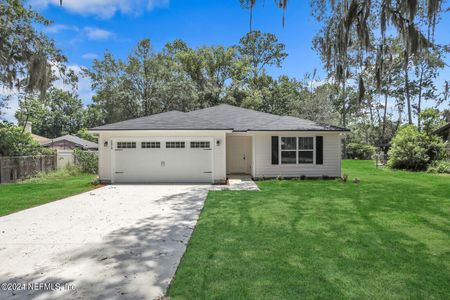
x=84 y=32
x=84 y=29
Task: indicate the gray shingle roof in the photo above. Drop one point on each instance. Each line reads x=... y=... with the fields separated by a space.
x=172 y=120
x=73 y=139
x=221 y=117
x=243 y=119
x=442 y=129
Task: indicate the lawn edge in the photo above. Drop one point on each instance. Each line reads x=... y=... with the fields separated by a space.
x=51 y=201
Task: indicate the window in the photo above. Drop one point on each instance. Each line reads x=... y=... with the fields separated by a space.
x=306 y=143
x=174 y=145
x=305 y=157
x=288 y=150
x=297 y=150
x=200 y=145
x=305 y=150
x=150 y=145
x=126 y=145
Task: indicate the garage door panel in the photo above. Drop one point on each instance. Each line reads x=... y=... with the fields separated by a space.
x=163 y=165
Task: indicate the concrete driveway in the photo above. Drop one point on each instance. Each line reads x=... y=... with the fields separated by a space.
x=117 y=242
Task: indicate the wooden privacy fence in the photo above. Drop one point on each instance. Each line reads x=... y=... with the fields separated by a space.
x=14 y=168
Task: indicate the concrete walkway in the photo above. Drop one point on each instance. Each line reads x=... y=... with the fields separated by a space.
x=117 y=242
x=238 y=183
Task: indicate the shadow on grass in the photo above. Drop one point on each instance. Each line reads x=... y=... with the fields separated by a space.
x=386 y=238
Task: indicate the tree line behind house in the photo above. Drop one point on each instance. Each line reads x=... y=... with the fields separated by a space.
x=179 y=77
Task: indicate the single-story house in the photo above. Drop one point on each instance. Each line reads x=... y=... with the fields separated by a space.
x=70 y=142
x=208 y=144
x=444 y=132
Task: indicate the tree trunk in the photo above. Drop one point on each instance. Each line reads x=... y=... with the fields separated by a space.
x=408 y=96
x=344 y=119
x=24 y=125
x=419 y=102
x=383 y=132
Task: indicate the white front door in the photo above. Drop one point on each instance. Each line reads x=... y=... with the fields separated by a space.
x=163 y=160
x=239 y=154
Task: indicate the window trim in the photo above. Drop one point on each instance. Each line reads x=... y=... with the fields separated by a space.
x=313 y=150
x=175 y=148
x=297 y=150
x=133 y=145
x=151 y=143
x=288 y=150
x=208 y=143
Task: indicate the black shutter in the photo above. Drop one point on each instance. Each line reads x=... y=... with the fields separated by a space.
x=319 y=150
x=275 y=158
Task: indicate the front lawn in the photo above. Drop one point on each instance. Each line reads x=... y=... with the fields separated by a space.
x=387 y=237
x=54 y=186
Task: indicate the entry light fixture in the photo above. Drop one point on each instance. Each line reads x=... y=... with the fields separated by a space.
x=218 y=142
x=105 y=143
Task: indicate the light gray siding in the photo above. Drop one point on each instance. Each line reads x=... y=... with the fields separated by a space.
x=331 y=156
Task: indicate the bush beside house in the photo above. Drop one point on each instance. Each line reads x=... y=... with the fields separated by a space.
x=87 y=161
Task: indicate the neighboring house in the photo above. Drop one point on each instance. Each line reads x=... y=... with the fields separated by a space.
x=208 y=144
x=444 y=132
x=70 y=142
x=40 y=139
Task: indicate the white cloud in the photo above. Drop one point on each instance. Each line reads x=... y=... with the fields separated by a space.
x=56 y=28
x=12 y=105
x=98 y=34
x=89 y=56
x=103 y=8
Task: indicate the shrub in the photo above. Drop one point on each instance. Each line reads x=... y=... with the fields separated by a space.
x=15 y=142
x=87 y=161
x=360 y=151
x=414 y=150
x=439 y=167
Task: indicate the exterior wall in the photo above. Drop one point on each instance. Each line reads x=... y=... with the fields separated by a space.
x=331 y=156
x=64 y=158
x=105 y=157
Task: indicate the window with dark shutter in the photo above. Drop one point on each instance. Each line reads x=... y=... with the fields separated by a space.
x=319 y=150
x=275 y=158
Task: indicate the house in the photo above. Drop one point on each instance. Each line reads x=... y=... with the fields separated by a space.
x=70 y=142
x=208 y=144
x=444 y=132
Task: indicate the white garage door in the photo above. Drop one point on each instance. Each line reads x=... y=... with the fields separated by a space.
x=163 y=160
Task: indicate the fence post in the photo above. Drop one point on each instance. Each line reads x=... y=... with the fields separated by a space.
x=1 y=169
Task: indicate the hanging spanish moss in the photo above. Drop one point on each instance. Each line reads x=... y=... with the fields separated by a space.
x=349 y=25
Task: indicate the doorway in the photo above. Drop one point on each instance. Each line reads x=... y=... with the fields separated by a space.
x=239 y=155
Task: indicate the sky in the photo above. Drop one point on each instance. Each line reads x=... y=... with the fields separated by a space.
x=84 y=29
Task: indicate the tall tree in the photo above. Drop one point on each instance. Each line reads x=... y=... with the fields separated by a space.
x=351 y=25
x=262 y=49
x=29 y=60
x=61 y=113
x=426 y=70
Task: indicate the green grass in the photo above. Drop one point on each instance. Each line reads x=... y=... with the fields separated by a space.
x=387 y=237
x=41 y=190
